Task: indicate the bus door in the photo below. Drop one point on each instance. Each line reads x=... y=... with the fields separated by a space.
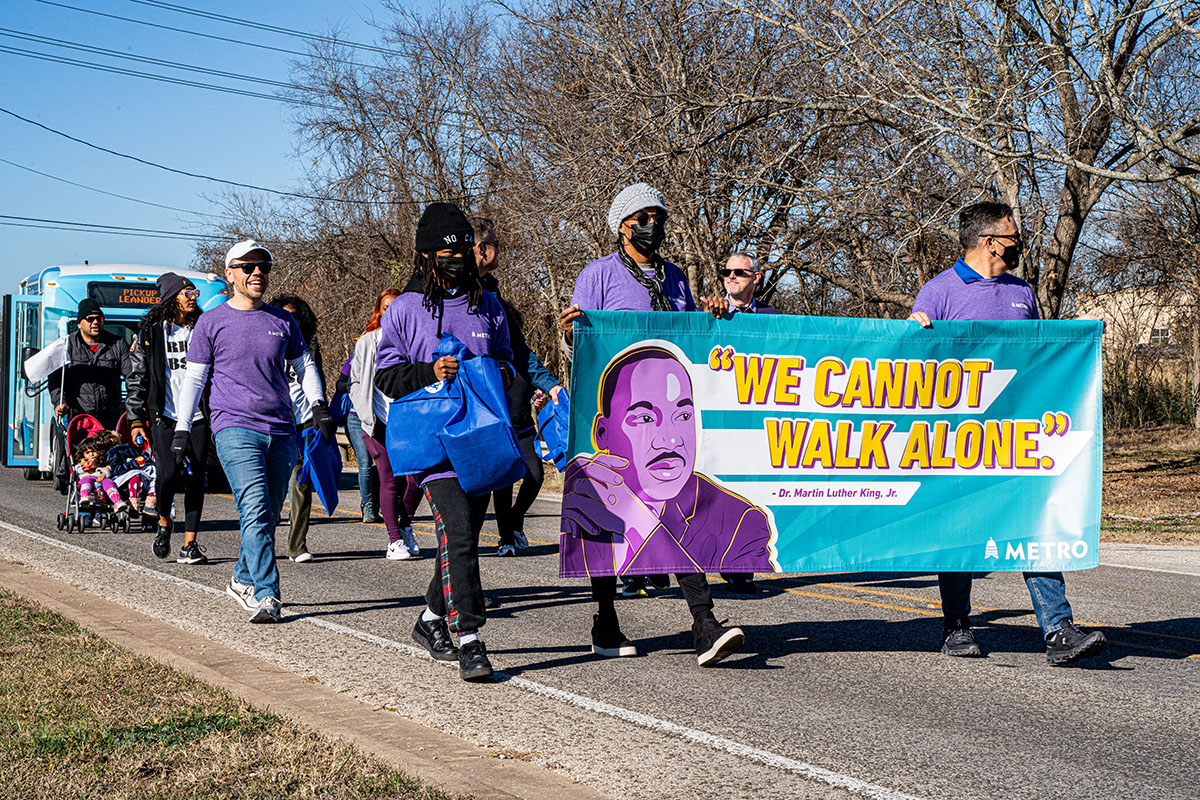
x=22 y=401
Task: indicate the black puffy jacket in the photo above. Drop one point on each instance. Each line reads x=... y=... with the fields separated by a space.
x=90 y=383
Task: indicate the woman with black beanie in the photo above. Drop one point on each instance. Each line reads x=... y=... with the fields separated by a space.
x=158 y=361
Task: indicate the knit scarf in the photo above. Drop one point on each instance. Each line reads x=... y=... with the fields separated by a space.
x=658 y=300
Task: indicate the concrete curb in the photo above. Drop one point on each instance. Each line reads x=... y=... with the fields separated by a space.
x=441 y=760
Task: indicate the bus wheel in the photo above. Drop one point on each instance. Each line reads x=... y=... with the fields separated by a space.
x=32 y=474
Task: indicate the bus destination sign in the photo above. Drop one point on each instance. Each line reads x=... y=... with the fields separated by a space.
x=119 y=294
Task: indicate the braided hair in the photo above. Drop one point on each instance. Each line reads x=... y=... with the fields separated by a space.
x=424 y=265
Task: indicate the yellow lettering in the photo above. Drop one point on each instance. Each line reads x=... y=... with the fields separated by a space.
x=784 y=437
x=916 y=449
x=858 y=384
x=997 y=444
x=753 y=374
x=889 y=383
x=938 y=457
x=827 y=368
x=949 y=383
x=870 y=451
x=842 y=458
x=1024 y=430
x=918 y=384
x=975 y=369
x=968 y=444
x=818 y=447
x=787 y=379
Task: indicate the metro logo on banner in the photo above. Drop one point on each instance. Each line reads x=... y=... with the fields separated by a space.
x=809 y=444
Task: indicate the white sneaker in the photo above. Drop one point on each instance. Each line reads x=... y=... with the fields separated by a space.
x=520 y=540
x=300 y=559
x=410 y=541
x=398 y=551
x=506 y=550
x=121 y=507
x=242 y=593
x=267 y=610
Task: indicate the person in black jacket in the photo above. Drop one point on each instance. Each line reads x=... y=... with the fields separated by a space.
x=90 y=383
x=158 y=365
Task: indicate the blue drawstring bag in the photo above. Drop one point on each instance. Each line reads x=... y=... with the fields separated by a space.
x=339 y=408
x=320 y=465
x=480 y=442
x=553 y=424
x=415 y=422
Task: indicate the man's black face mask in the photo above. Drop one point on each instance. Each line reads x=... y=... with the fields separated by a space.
x=451 y=269
x=1011 y=256
x=647 y=238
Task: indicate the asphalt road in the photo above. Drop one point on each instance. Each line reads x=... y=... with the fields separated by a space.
x=840 y=690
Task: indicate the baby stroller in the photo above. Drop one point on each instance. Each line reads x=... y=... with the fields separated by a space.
x=102 y=511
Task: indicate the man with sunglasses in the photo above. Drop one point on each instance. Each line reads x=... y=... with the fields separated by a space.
x=636 y=278
x=979 y=287
x=246 y=347
x=90 y=383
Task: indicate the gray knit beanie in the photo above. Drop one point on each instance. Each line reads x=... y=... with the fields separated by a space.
x=631 y=200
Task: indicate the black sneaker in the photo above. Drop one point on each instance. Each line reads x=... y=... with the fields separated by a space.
x=1068 y=644
x=473 y=664
x=608 y=641
x=960 y=642
x=660 y=583
x=435 y=637
x=191 y=553
x=741 y=584
x=162 y=541
x=715 y=642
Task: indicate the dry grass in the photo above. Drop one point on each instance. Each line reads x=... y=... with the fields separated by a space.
x=82 y=718
x=1153 y=475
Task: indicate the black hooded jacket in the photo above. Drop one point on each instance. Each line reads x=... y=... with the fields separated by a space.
x=90 y=383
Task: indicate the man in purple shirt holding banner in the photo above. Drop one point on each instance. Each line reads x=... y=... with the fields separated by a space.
x=636 y=278
x=978 y=287
x=245 y=347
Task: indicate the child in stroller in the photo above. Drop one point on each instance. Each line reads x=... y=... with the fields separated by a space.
x=104 y=467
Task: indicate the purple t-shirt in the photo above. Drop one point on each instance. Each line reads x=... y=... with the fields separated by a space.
x=248 y=351
x=605 y=285
x=411 y=333
x=961 y=293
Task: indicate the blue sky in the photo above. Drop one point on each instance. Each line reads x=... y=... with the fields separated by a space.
x=214 y=133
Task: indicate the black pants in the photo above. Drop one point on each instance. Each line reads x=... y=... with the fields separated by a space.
x=169 y=479
x=455 y=591
x=510 y=516
x=695 y=592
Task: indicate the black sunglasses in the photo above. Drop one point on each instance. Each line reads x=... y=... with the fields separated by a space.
x=644 y=217
x=737 y=273
x=264 y=266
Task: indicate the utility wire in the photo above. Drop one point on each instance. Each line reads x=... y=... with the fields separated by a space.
x=91 y=227
x=151 y=76
x=46 y=40
x=101 y=191
x=255 y=45
x=185 y=173
x=262 y=26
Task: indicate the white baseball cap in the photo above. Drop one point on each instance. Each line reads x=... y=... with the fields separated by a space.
x=241 y=249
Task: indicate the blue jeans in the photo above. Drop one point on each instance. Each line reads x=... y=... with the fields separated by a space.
x=368 y=479
x=258 y=466
x=1048 y=591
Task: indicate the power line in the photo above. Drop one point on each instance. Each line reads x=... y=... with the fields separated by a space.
x=262 y=26
x=185 y=173
x=30 y=37
x=255 y=45
x=100 y=191
x=151 y=76
x=92 y=227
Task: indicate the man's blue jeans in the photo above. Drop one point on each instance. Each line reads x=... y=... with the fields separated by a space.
x=1048 y=591
x=258 y=466
x=368 y=480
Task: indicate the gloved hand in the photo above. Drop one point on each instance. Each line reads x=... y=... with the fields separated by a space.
x=323 y=421
x=179 y=446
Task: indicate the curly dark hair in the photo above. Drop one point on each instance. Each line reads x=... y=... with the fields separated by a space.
x=306 y=321
x=164 y=310
x=101 y=443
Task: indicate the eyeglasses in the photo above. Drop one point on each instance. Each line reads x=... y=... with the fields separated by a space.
x=94 y=319
x=191 y=294
x=495 y=245
x=645 y=217
x=263 y=266
x=737 y=273
x=1016 y=237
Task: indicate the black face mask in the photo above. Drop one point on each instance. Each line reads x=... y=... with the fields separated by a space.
x=1011 y=256
x=646 y=239
x=451 y=270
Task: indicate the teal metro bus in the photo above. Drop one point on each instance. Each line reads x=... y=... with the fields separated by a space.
x=44 y=310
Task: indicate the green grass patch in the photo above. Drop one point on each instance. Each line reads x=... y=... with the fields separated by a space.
x=83 y=718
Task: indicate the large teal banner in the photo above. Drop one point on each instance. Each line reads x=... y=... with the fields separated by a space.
x=812 y=444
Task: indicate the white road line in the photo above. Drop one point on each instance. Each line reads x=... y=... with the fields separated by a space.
x=1150 y=569
x=775 y=760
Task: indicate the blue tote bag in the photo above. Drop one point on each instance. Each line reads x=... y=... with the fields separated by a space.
x=321 y=465
x=553 y=424
x=480 y=442
x=416 y=421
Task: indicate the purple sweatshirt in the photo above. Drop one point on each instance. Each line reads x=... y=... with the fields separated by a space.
x=961 y=293
x=605 y=285
x=411 y=335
